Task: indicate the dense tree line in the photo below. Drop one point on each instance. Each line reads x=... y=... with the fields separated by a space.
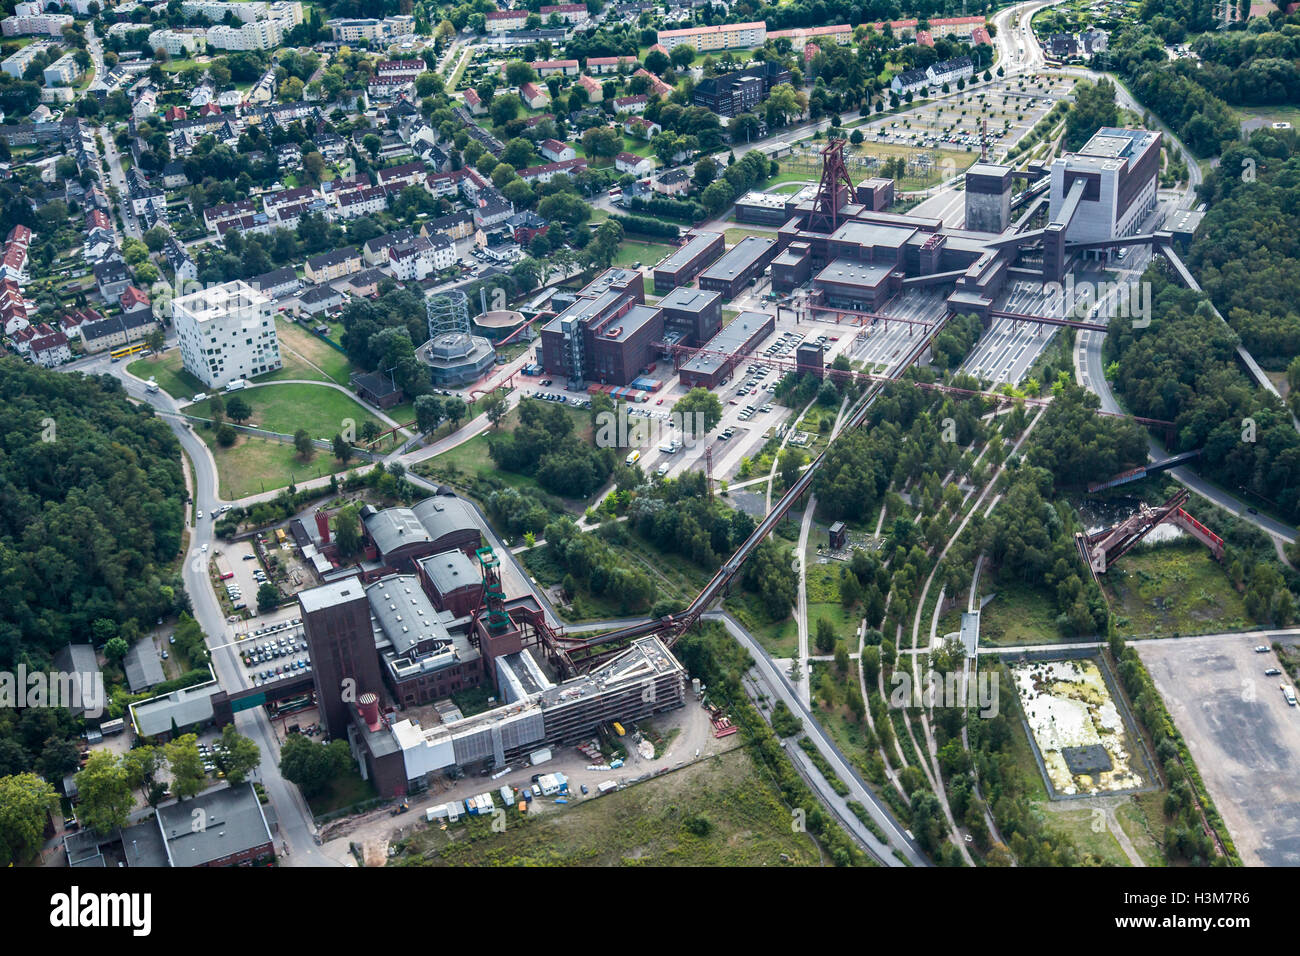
x=590 y=564
x=1030 y=538
x=91 y=513
x=1202 y=120
x=676 y=516
x=1247 y=251
x=1183 y=368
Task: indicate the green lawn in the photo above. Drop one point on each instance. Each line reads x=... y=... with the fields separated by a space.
x=471 y=458
x=311 y=358
x=287 y=408
x=167 y=371
x=1019 y=614
x=647 y=253
x=343 y=792
x=254 y=465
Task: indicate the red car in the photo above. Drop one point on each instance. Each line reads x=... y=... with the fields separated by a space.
x=660 y=402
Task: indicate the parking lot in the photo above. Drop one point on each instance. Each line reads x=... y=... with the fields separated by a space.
x=1010 y=108
x=273 y=651
x=1241 y=732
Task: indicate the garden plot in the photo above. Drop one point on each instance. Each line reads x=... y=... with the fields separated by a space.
x=1081 y=737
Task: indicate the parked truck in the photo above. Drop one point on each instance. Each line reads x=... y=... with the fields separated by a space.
x=236 y=385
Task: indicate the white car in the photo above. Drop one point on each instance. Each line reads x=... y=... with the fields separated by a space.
x=200 y=517
x=203 y=548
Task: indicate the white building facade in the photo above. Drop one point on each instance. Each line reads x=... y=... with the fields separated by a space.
x=226 y=333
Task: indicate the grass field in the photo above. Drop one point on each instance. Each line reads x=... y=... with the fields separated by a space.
x=287 y=408
x=471 y=458
x=1173 y=588
x=344 y=791
x=1271 y=114
x=1019 y=614
x=310 y=357
x=254 y=465
x=647 y=253
x=736 y=819
x=167 y=371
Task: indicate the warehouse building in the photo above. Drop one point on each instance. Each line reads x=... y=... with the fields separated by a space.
x=855 y=284
x=682 y=265
x=746 y=260
x=722 y=353
x=691 y=316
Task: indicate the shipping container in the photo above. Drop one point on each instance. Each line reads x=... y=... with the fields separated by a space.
x=110 y=727
x=507 y=795
x=607 y=786
x=539 y=756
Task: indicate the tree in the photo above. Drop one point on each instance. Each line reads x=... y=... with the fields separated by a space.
x=428 y=413
x=303 y=444
x=186 y=766
x=268 y=597
x=699 y=410
x=142 y=765
x=104 y=792
x=238 y=410
x=347 y=531
x=717 y=196
x=237 y=756
x=682 y=55
x=495 y=407
x=26 y=802
x=226 y=435
x=454 y=408
x=310 y=765
x=342 y=450
x=116 y=649
x=825 y=639
x=59 y=757
x=788 y=464
x=155 y=238
x=841 y=658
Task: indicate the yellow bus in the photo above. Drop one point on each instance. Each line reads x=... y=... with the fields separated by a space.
x=126 y=350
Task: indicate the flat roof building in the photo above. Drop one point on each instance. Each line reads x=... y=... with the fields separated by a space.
x=723 y=352
x=684 y=263
x=226 y=333
x=1118 y=169
x=694 y=315
x=744 y=261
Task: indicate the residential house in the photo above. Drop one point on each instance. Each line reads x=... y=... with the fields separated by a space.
x=634 y=164
x=329 y=266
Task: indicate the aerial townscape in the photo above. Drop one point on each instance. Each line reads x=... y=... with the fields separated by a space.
x=727 y=433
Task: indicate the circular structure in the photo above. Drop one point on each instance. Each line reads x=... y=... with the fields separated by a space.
x=498 y=324
x=456 y=358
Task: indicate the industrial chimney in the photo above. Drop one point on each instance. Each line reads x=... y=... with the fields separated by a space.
x=369 y=707
x=323 y=525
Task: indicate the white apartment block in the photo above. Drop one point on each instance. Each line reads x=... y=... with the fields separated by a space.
x=47 y=24
x=16 y=63
x=226 y=333
x=1118 y=172
x=63 y=72
x=259 y=35
x=724 y=36
x=216 y=11
x=350 y=31
x=177 y=43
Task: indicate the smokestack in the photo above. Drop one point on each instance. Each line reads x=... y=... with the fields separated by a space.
x=369 y=707
x=323 y=524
